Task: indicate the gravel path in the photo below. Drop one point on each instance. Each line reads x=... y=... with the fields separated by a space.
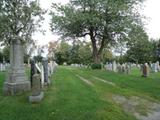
x=131 y=105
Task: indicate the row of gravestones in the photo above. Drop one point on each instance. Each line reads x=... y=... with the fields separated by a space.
x=40 y=73
x=116 y=67
x=145 y=68
x=4 y=66
x=126 y=68
x=78 y=65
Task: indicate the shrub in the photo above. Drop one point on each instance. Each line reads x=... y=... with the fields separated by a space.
x=96 y=66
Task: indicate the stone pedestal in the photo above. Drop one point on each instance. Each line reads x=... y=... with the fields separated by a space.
x=16 y=81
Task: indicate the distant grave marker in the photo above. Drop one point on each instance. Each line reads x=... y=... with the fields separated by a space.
x=145 y=70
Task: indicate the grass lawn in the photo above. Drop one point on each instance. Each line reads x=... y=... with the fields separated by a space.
x=70 y=98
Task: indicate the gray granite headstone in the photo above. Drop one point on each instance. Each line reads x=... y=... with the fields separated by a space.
x=33 y=70
x=119 y=68
x=114 y=66
x=127 y=69
x=154 y=67
x=45 y=66
x=37 y=94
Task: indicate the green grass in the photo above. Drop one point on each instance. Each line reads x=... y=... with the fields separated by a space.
x=69 y=98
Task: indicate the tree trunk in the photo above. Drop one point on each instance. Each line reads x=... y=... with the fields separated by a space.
x=96 y=58
x=96 y=54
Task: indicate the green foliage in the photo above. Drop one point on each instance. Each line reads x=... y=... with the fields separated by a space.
x=156 y=50
x=104 y=21
x=6 y=53
x=19 y=19
x=78 y=52
x=140 y=49
x=96 y=66
x=62 y=53
x=107 y=55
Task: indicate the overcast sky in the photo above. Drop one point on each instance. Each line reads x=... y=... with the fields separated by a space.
x=151 y=10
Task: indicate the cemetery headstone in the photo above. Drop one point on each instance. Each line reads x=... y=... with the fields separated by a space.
x=145 y=70
x=154 y=67
x=33 y=70
x=123 y=68
x=127 y=69
x=119 y=68
x=157 y=66
x=45 y=67
x=37 y=94
x=114 y=66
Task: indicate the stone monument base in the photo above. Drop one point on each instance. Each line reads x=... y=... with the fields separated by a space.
x=37 y=98
x=16 y=88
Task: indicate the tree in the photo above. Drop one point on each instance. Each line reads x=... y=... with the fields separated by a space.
x=156 y=50
x=62 y=53
x=140 y=49
x=79 y=52
x=52 y=46
x=107 y=55
x=19 y=19
x=85 y=52
x=73 y=54
x=104 y=21
x=6 y=53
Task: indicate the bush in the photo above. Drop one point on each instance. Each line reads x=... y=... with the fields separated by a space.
x=96 y=66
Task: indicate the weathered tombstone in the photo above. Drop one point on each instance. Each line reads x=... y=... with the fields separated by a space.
x=127 y=69
x=16 y=81
x=110 y=66
x=42 y=76
x=123 y=68
x=157 y=66
x=114 y=66
x=3 y=67
x=0 y=66
x=52 y=67
x=145 y=70
x=141 y=67
x=154 y=67
x=37 y=94
x=49 y=70
x=45 y=67
x=33 y=70
x=119 y=68
x=65 y=64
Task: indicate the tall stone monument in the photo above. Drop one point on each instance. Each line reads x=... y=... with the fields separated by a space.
x=16 y=81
